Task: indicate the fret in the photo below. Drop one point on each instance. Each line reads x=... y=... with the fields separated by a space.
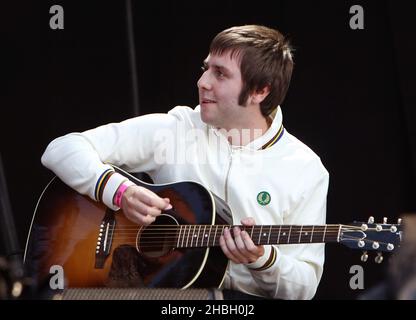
x=198 y=237
x=201 y=237
x=251 y=234
x=204 y=236
x=317 y=234
x=300 y=233
x=313 y=227
x=290 y=231
x=284 y=234
x=270 y=232
x=261 y=230
x=192 y=235
x=215 y=236
x=209 y=235
x=179 y=236
x=183 y=236
x=295 y=230
x=189 y=232
x=323 y=238
x=306 y=234
x=278 y=238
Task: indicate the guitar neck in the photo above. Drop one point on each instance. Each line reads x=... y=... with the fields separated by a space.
x=189 y=236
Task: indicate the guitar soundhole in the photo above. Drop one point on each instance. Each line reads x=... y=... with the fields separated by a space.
x=159 y=238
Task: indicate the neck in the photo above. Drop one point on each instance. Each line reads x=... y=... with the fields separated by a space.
x=251 y=129
x=209 y=235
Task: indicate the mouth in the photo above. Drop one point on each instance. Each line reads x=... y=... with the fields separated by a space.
x=207 y=101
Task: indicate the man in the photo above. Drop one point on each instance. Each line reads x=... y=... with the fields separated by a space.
x=235 y=144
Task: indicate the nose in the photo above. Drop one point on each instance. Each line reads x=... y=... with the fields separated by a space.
x=203 y=82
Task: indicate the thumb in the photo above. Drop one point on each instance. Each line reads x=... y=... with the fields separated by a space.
x=168 y=205
x=249 y=221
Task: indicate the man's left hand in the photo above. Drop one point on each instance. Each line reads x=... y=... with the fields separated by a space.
x=240 y=248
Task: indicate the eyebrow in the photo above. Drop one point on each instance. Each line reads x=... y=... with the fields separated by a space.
x=218 y=67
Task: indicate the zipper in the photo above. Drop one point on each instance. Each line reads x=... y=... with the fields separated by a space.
x=228 y=174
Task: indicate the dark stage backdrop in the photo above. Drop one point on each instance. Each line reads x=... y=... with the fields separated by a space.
x=350 y=98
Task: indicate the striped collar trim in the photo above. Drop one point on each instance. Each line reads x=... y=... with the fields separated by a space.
x=275 y=139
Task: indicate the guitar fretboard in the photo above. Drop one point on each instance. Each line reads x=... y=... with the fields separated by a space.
x=192 y=236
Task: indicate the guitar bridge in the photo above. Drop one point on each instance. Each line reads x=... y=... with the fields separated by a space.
x=105 y=238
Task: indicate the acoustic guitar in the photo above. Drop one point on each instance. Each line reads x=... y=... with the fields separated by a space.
x=97 y=247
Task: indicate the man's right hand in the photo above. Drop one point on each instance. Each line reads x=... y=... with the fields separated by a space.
x=143 y=206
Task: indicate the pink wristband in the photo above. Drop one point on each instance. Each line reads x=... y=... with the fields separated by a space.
x=119 y=194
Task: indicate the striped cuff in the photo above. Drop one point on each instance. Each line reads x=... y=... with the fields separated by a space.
x=266 y=265
x=113 y=183
x=101 y=182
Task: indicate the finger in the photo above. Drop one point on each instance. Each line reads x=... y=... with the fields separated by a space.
x=238 y=240
x=226 y=251
x=229 y=241
x=153 y=200
x=145 y=210
x=169 y=206
x=254 y=251
x=148 y=220
x=244 y=254
x=139 y=218
x=135 y=205
x=249 y=221
x=248 y=242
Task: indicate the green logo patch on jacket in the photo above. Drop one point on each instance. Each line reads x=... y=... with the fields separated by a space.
x=263 y=198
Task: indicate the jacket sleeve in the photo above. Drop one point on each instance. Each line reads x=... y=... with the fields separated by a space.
x=295 y=270
x=82 y=160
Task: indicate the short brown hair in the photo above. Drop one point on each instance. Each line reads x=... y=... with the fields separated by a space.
x=265 y=60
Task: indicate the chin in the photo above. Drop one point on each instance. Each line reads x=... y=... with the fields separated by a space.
x=205 y=119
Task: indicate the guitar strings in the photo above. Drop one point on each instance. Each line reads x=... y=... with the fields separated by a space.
x=265 y=227
x=156 y=236
x=193 y=237
x=173 y=245
x=161 y=232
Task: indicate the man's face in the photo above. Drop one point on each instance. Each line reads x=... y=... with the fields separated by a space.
x=219 y=89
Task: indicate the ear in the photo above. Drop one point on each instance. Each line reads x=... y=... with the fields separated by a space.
x=259 y=95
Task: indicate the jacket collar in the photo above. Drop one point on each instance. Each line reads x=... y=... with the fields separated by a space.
x=272 y=135
x=268 y=139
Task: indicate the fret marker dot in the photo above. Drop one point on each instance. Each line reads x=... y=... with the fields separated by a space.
x=284 y=233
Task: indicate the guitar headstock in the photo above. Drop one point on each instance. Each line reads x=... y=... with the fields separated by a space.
x=371 y=236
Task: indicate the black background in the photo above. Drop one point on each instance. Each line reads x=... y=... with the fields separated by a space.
x=351 y=96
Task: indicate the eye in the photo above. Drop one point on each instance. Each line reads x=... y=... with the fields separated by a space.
x=204 y=68
x=219 y=74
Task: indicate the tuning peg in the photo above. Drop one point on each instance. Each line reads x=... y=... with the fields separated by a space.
x=385 y=220
x=379 y=228
x=375 y=245
x=390 y=247
x=399 y=221
x=364 y=256
x=379 y=258
x=371 y=219
x=393 y=229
